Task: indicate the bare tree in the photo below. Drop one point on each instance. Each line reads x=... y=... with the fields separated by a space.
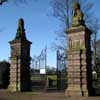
x=16 y=1
x=62 y=10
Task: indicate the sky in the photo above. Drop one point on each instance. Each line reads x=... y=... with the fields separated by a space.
x=40 y=28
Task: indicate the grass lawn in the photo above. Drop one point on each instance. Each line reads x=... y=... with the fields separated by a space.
x=38 y=77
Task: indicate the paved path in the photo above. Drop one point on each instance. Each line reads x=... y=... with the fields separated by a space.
x=40 y=96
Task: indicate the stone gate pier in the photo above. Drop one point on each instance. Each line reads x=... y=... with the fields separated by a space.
x=79 y=56
x=20 y=61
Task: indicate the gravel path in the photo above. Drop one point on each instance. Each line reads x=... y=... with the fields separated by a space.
x=31 y=96
x=40 y=96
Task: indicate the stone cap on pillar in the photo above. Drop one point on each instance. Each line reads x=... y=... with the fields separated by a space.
x=20 y=31
x=80 y=28
x=78 y=23
x=20 y=34
x=77 y=15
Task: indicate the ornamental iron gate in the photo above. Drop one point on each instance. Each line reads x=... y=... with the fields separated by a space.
x=61 y=70
x=42 y=79
x=38 y=73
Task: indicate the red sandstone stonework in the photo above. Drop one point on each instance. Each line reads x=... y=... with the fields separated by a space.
x=79 y=61
x=20 y=61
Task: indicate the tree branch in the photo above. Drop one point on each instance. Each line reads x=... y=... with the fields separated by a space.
x=3 y=1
